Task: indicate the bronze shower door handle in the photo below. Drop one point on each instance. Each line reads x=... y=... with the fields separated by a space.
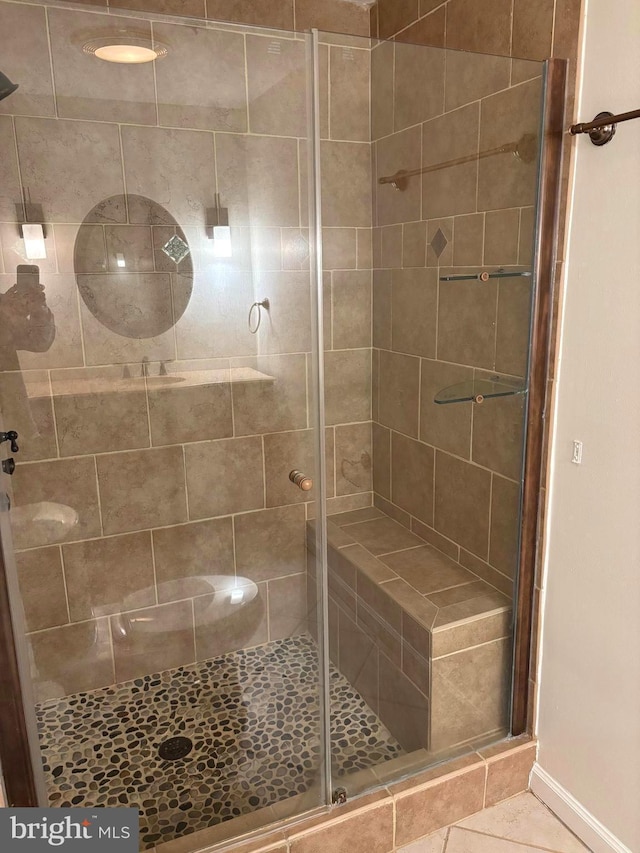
x=301 y=480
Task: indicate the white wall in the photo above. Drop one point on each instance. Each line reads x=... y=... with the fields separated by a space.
x=589 y=712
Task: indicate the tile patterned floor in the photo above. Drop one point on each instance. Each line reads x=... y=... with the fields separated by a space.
x=253 y=719
x=520 y=825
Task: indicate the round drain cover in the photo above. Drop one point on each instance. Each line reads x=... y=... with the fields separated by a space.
x=175 y=748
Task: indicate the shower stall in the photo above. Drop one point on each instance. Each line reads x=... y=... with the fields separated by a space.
x=272 y=312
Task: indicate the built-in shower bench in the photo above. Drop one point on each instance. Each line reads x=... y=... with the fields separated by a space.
x=425 y=641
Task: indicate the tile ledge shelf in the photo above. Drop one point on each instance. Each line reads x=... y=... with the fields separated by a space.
x=115 y=385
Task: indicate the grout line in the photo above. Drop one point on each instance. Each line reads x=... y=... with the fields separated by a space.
x=215 y=177
x=486 y=782
x=51 y=69
x=23 y=195
x=299 y=180
x=511 y=22
x=471 y=425
x=245 y=57
x=393 y=91
x=332 y=310
x=490 y=519
x=64 y=583
x=307 y=391
x=203 y=441
x=420 y=396
x=267 y=609
x=477 y=162
x=155 y=79
x=360 y=142
x=124 y=179
x=233 y=414
x=478 y=101
x=417 y=21
x=520 y=210
x=394 y=810
x=152 y=606
x=206 y=23
x=523 y=844
x=111 y=649
x=148 y=408
x=328 y=82
x=440 y=360
x=468 y=621
x=99 y=500
x=233 y=546
x=264 y=472
x=54 y=416
x=184 y=474
x=448 y=453
x=193 y=629
x=433 y=496
x=153 y=567
x=446 y=837
x=553 y=26
x=495 y=326
x=335 y=462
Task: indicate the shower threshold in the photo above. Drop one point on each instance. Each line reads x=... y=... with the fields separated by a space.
x=253 y=720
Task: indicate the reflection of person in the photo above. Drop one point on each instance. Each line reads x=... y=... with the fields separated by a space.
x=26 y=323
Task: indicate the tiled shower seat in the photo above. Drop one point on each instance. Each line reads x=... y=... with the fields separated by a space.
x=424 y=640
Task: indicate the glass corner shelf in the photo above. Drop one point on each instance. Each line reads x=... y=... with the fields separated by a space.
x=479 y=390
x=485 y=276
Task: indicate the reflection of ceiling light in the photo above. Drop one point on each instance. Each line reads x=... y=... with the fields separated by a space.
x=126 y=53
x=222 y=242
x=34 y=247
x=236 y=596
x=217 y=229
x=125 y=48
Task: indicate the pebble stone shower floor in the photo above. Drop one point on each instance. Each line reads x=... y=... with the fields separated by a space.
x=252 y=716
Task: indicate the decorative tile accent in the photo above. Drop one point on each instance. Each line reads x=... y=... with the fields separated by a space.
x=439 y=242
x=254 y=720
x=176 y=249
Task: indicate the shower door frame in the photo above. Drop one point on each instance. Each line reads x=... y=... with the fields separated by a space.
x=545 y=253
x=15 y=754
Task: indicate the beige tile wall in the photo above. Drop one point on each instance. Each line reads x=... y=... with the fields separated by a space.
x=451 y=469
x=511 y=28
x=172 y=483
x=340 y=16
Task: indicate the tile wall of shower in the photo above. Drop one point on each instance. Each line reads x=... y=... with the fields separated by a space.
x=169 y=483
x=451 y=472
x=515 y=28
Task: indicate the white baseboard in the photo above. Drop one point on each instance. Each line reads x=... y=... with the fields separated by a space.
x=588 y=828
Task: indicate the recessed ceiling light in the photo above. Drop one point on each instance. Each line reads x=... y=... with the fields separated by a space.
x=126 y=49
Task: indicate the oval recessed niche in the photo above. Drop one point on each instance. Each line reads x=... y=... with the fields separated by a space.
x=135 y=276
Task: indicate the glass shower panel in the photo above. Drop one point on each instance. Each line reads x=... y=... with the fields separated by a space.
x=424 y=531
x=156 y=365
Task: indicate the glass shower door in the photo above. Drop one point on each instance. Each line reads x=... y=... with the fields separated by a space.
x=432 y=342
x=157 y=365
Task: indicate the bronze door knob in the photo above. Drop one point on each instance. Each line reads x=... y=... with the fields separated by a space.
x=301 y=480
